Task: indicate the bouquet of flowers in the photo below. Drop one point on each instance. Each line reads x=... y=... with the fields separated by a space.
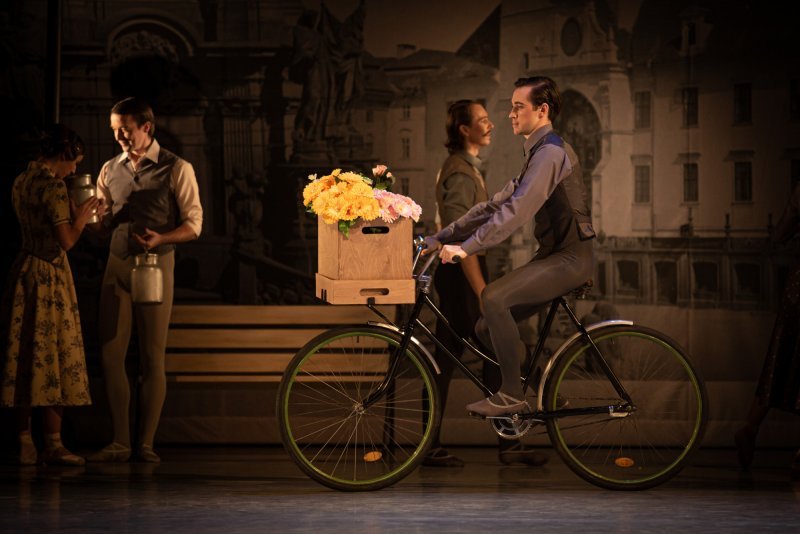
x=343 y=198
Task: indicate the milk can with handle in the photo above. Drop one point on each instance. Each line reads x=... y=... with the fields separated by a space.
x=147 y=280
x=81 y=190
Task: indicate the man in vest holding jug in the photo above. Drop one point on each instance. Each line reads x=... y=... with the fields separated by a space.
x=154 y=203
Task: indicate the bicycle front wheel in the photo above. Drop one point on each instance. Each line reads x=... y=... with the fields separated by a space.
x=626 y=447
x=331 y=430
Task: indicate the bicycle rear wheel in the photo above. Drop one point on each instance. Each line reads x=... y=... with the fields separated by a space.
x=627 y=449
x=327 y=429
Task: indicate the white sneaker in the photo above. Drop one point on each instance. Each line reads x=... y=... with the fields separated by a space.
x=497 y=405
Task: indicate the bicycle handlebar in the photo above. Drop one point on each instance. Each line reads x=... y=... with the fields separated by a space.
x=419 y=244
x=428 y=263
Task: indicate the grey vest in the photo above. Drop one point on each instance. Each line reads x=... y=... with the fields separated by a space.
x=565 y=217
x=147 y=202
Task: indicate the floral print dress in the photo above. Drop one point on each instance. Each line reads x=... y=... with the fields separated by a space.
x=42 y=360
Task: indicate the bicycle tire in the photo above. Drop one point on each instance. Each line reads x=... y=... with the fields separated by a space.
x=627 y=450
x=330 y=435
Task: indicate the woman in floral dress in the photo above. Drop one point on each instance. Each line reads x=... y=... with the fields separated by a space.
x=42 y=361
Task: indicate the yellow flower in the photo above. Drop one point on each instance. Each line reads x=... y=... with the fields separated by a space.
x=317 y=187
x=353 y=178
x=341 y=196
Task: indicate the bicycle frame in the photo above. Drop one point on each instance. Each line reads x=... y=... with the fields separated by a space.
x=412 y=322
x=367 y=424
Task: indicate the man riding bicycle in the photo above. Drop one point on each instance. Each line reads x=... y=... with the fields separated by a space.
x=550 y=190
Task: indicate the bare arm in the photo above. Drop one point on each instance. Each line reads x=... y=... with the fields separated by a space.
x=68 y=233
x=104 y=226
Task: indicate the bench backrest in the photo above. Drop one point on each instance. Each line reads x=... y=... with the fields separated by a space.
x=231 y=343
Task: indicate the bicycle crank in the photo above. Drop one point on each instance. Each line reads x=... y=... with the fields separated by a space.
x=512 y=427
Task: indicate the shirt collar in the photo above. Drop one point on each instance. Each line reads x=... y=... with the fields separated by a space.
x=469 y=158
x=151 y=153
x=536 y=136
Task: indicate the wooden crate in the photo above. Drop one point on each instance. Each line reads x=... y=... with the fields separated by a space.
x=359 y=291
x=375 y=261
x=374 y=251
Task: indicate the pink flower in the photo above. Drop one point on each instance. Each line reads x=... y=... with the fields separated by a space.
x=393 y=206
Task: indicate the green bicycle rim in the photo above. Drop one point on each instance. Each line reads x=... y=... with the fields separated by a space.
x=698 y=418
x=285 y=412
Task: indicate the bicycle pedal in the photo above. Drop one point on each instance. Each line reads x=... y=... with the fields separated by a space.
x=508 y=418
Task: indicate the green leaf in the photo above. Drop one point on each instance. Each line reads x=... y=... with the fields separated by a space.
x=344 y=228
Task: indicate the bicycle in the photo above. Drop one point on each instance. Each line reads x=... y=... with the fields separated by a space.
x=622 y=404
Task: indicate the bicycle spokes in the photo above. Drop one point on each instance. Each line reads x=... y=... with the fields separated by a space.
x=621 y=445
x=353 y=414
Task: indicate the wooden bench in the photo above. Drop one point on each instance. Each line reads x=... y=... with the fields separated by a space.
x=230 y=343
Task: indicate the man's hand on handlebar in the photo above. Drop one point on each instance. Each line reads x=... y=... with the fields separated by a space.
x=452 y=254
x=431 y=245
x=448 y=254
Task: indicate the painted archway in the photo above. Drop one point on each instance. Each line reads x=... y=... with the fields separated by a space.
x=149 y=59
x=579 y=125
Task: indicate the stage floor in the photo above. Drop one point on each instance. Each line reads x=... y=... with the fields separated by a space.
x=251 y=489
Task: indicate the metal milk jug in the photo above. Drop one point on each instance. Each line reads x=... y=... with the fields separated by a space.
x=147 y=280
x=81 y=190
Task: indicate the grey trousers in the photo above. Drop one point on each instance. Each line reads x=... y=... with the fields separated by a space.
x=520 y=294
x=117 y=313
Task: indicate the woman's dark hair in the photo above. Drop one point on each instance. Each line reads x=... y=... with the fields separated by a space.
x=60 y=142
x=543 y=91
x=458 y=114
x=138 y=109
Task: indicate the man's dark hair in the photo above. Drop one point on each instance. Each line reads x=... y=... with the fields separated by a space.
x=458 y=114
x=543 y=91
x=138 y=109
x=60 y=142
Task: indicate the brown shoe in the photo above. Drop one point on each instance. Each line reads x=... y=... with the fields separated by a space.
x=519 y=453
x=61 y=456
x=439 y=457
x=146 y=454
x=114 y=452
